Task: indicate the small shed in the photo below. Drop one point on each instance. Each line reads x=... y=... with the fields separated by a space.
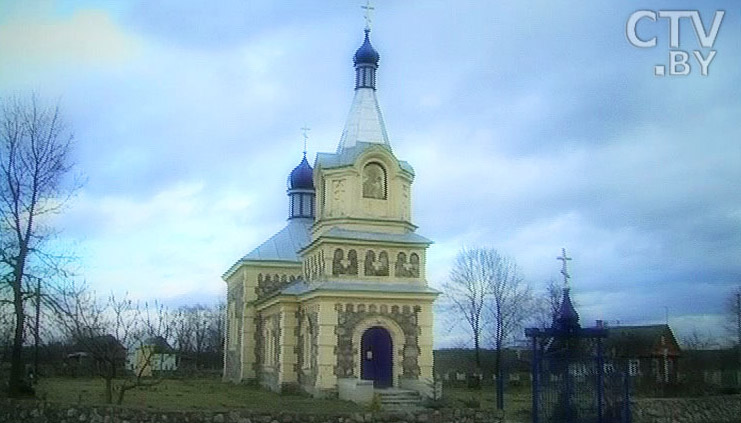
x=153 y=355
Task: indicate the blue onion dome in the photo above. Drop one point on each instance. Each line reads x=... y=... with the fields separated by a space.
x=366 y=54
x=302 y=176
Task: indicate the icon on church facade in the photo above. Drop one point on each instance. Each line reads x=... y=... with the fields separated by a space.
x=374 y=181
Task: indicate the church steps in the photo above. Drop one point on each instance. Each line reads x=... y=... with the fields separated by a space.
x=398 y=398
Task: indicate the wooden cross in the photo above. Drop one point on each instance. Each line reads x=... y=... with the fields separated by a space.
x=564 y=269
x=367 y=15
x=305 y=130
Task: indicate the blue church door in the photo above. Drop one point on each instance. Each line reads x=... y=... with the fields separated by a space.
x=376 y=357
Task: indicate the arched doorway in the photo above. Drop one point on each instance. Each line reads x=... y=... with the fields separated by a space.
x=376 y=350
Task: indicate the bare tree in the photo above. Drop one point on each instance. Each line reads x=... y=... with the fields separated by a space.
x=511 y=306
x=547 y=304
x=198 y=334
x=35 y=147
x=105 y=329
x=192 y=331
x=488 y=291
x=216 y=336
x=183 y=330
x=6 y=331
x=469 y=288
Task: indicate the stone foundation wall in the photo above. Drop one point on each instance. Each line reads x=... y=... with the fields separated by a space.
x=38 y=412
x=720 y=409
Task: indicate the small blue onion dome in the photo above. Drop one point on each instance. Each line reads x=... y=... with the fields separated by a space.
x=366 y=54
x=302 y=176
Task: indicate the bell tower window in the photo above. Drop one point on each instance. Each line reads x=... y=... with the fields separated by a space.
x=374 y=181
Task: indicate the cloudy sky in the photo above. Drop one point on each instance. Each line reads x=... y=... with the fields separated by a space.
x=532 y=126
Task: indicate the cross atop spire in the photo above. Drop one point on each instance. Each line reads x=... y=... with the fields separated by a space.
x=564 y=269
x=368 y=14
x=305 y=129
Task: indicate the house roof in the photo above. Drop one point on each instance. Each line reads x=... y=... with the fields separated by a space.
x=159 y=343
x=100 y=345
x=640 y=341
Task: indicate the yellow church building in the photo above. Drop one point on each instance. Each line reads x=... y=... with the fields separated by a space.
x=337 y=302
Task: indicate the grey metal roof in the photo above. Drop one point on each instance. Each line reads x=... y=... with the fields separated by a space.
x=159 y=343
x=300 y=287
x=347 y=156
x=284 y=245
x=407 y=238
x=364 y=122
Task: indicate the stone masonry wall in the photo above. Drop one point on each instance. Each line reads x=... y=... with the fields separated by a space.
x=39 y=412
x=350 y=315
x=720 y=409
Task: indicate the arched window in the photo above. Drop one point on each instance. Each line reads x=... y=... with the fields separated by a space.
x=308 y=333
x=337 y=267
x=352 y=257
x=400 y=269
x=370 y=257
x=383 y=264
x=414 y=265
x=374 y=181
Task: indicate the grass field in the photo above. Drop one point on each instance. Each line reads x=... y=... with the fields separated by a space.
x=212 y=394
x=517 y=400
x=188 y=394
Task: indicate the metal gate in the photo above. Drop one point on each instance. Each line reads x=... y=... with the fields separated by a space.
x=571 y=381
x=572 y=384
